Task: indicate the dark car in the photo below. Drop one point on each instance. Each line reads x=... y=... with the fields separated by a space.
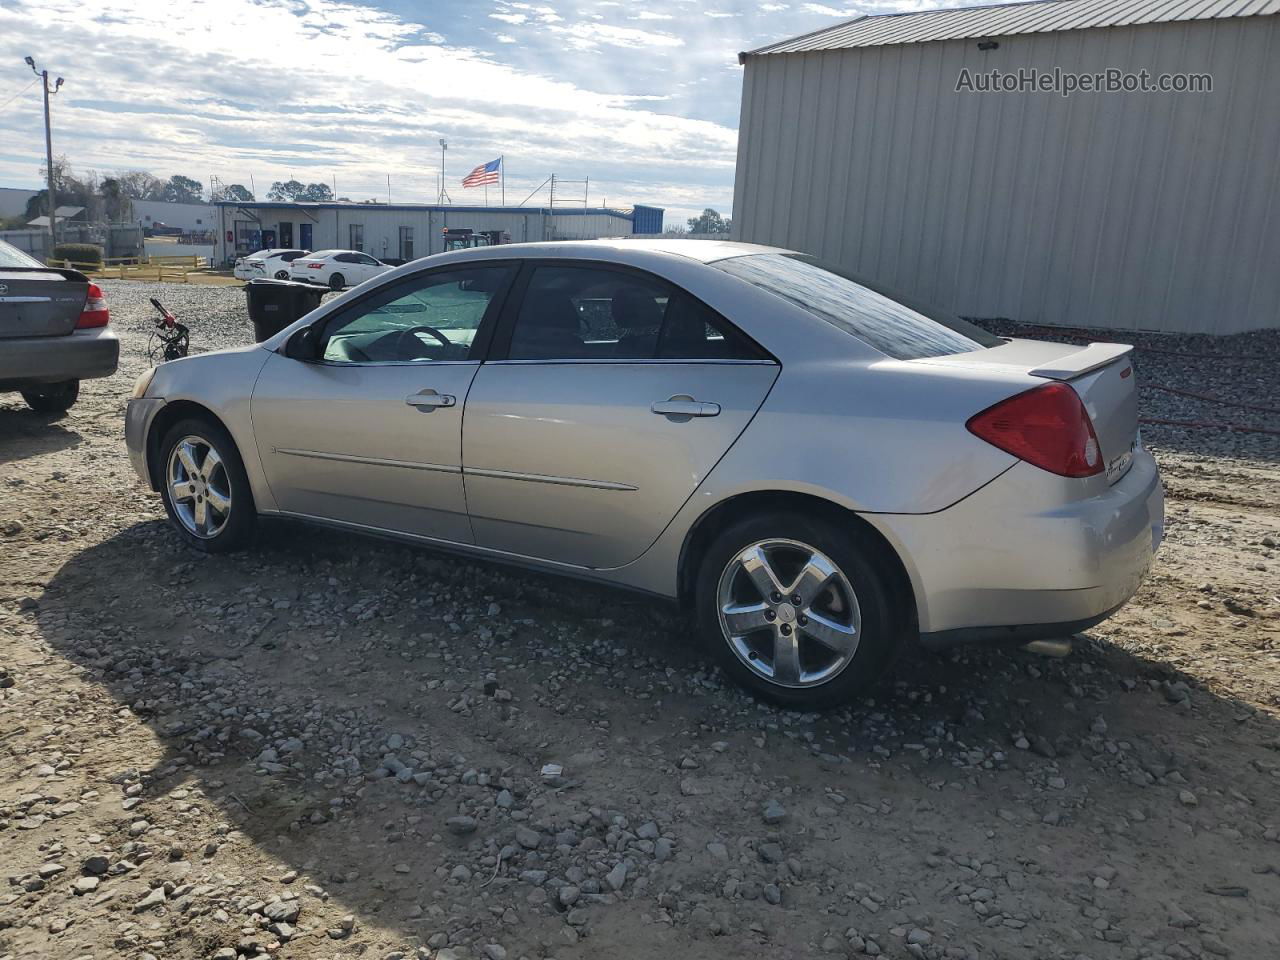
x=53 y=331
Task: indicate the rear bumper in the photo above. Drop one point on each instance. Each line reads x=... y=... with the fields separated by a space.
x=1017 y=561
x=138 y=416
x=82 y=355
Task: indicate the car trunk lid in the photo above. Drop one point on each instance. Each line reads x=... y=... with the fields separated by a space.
x=1101 y=374
x=40 y=301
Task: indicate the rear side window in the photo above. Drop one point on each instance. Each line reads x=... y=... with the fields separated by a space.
x=590 y=313
x=881 y=320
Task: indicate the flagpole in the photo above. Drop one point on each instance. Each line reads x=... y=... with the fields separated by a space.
x=502 y=167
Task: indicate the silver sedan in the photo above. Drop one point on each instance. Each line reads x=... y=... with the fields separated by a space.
x=823 y=472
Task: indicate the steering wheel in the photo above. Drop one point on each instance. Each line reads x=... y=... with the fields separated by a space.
x=414 y=331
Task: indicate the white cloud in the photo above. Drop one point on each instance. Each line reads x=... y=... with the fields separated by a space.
x=513 y=18
x=651 y=15
x=825 y=11
x=505 y=38
x=773 y=7
x=588 y=36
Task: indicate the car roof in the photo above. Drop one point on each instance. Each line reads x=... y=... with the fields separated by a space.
x=614 y=249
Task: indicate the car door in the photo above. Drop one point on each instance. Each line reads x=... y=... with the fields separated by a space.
x=362 y=422
x=368 y=265
x=611 y=395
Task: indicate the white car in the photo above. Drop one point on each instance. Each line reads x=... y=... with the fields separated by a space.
x=266 y=263
x=337 y=269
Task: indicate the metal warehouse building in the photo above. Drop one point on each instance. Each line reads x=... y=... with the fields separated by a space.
x=863 y=145
x=410 y=230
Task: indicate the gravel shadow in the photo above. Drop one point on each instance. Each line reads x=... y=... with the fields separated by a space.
x=342 y=700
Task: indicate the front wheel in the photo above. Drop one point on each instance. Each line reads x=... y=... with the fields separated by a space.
x=337 y=282
x=797 y=610
x=205 y=488
x=52 y=397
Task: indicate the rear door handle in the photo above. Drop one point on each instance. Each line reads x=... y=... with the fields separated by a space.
x=430 y=399
x=686 y=407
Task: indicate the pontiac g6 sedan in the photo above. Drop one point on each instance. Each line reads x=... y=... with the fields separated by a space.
x=821 y=471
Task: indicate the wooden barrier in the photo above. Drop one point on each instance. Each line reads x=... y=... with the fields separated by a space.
x=159 y=269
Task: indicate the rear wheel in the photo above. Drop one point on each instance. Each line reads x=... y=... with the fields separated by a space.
x=52 y=397
x=282 y=274
x=205 y=488
x=337 y=282
x=796 y=609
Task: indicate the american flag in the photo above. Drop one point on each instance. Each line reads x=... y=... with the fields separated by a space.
x=484 y=174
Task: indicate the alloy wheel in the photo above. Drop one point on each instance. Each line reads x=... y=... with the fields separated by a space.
x=788 y=613
x=199 y=487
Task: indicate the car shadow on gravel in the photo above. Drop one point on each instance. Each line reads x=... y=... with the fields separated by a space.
x=278 y=679
x=25 y=433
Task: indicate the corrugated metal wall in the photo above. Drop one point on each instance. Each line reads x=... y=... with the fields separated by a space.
x=1130 y=211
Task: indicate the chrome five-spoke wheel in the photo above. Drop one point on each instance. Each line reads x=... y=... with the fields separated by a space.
x=788 y=613
x=199 y=487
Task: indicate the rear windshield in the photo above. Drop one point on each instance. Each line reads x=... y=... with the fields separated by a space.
x=11 y=256
x=893 y=325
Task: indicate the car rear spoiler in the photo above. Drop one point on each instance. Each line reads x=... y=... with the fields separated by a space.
x=1092 y=357
x=64 y=272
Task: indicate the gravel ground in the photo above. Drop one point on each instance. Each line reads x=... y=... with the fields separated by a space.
x=332 y=747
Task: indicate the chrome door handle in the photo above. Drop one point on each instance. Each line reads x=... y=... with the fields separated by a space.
x=686 y=407
x=430 y=399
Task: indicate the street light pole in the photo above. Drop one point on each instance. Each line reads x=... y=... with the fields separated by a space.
x=444 y=145
x=48 y=148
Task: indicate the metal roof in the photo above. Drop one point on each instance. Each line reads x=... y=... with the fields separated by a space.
x=306 y=205
x=1040 y=16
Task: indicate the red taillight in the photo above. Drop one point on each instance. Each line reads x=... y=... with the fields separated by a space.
x=95 y=313
x=1047 y=426
x=314 y=266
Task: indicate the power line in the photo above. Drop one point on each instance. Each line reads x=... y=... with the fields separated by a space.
x=18 y=94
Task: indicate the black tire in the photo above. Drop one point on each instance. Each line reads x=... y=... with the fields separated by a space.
x=881 y=633
x=337 y=282
x=52 y=397
x=237 y=529
x=282 y=274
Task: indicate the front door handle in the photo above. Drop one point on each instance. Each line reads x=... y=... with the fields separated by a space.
x=429 y=399
x=683 y=406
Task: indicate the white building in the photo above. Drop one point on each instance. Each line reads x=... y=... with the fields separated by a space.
x=187 y=217
x=870 y=144
x=409 y=230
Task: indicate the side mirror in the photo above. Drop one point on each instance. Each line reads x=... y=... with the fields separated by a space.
x=302 y=345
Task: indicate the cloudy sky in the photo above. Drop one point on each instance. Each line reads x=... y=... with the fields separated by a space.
x=639 y=95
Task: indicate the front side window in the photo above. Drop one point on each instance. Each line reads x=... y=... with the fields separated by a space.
x=431 y=317
x=592 y=313
x=880 y=320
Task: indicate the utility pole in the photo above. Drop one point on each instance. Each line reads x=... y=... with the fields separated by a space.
x=48 y=147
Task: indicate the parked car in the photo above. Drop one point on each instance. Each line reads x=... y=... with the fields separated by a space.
x=822 y=472
x=53 y=331
x=337 y=269
x=272 y=264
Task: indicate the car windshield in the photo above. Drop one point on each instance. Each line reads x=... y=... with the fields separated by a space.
x=11 y=256
x=890 y=323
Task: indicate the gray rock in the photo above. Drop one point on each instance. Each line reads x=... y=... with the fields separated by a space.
x=461 y=825
x=774 y=812
x=152 y=899
x=495 y=951
x=282 y=910
x=770 y=852
x=528 y=837
x=648 y=831
x=617 y=877
x=568 y=895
